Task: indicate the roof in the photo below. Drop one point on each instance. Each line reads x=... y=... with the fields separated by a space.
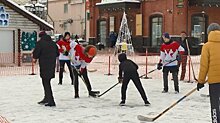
x=21 y=10
x=203 y=3
x=121 y=1
x=21 y=2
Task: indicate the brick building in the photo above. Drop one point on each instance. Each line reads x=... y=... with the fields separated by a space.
x=148 y=19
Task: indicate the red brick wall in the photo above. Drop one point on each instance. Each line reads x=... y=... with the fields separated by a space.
x=173 y=22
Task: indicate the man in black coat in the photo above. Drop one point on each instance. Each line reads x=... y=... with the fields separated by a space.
x=46 y=51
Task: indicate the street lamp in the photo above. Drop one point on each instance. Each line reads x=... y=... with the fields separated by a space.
x=203 y=29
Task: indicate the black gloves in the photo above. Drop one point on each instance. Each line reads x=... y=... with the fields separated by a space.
x=159 y=66
x=178 y=57
x=120 y=79
x=199 y=86
x=65 y=53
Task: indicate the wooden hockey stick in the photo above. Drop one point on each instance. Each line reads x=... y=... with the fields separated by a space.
x=151 y=119
x=187 y=45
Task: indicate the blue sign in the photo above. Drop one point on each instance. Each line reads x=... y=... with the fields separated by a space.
x=4 y=17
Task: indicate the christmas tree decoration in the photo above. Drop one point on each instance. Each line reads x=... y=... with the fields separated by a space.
x=124 y=38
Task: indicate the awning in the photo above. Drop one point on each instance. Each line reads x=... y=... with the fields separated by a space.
x=205 y=3
x=124 y=4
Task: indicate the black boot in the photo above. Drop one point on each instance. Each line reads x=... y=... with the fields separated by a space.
x=93 y=94
x=51 y=104
x=122 y=103
x=42 y=102
x=76 y=95
x=147 y=103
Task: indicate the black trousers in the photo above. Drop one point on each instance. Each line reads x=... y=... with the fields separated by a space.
x=214 y=92
x=62 y=64
x=48 y=95
x=134 y=76
x=84 y=75
x=174 y=71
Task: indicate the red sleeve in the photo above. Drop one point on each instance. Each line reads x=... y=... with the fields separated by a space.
x=79 y=51
x=60 y=45
x=68 y=46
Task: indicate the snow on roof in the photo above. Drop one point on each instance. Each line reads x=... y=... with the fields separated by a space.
x=31 y=14
x=117 y=1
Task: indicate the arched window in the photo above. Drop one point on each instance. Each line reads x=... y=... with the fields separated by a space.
x=156 y=22
x=199 y=26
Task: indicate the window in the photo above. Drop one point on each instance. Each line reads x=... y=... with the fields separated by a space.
x=156 y=29
x=198 y=27
x=65 y=8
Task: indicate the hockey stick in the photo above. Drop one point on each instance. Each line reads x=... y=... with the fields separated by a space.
x=108 y=89
x=156 y=68
x=139 y=77
x=187 y=45
x=145 y=118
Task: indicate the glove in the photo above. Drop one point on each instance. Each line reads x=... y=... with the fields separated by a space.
x=159 y=66
x=120 y=79
x=199 y=86
x=65 y=53
x=178 y=57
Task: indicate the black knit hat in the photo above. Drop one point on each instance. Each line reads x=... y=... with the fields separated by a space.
x=42 y=33
x=122 y=57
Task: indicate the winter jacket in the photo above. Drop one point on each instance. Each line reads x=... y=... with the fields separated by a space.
x=210 y=57
x=77 y=56
x=64 y=47
x=126 y=65
x=169 y=51
x=46 y=51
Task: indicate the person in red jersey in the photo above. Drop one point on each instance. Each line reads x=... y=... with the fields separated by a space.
x=80 y=58
x=64 y=48
x=170 y=52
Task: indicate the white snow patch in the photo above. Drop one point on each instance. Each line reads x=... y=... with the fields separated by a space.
x=20 y=94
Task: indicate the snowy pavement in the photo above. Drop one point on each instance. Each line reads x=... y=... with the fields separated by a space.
x=20 y=94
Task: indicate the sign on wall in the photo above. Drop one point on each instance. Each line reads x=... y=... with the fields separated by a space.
x=4 y=17
x=28 y=40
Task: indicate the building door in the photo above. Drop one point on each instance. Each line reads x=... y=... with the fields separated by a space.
x=199 y=26
x=102 y=32
x=6 y=47
x=156 y=30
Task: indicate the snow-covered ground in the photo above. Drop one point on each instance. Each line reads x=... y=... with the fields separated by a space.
x=20 y=94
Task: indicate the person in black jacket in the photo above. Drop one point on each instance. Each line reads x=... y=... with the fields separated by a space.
x=129 y=68
x=46 y=51
x=183 y=61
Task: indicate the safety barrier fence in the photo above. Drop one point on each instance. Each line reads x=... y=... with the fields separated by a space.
x=106 y=63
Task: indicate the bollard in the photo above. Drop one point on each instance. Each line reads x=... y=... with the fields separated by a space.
x=32 y=67
x=146 y=77
x=109 y=62
x=189 y=71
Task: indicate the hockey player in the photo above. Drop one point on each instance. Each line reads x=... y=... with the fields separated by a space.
x=80 y=57
x=129 y=68
x=170 y=52
x=64 y=47
x=210 y=68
